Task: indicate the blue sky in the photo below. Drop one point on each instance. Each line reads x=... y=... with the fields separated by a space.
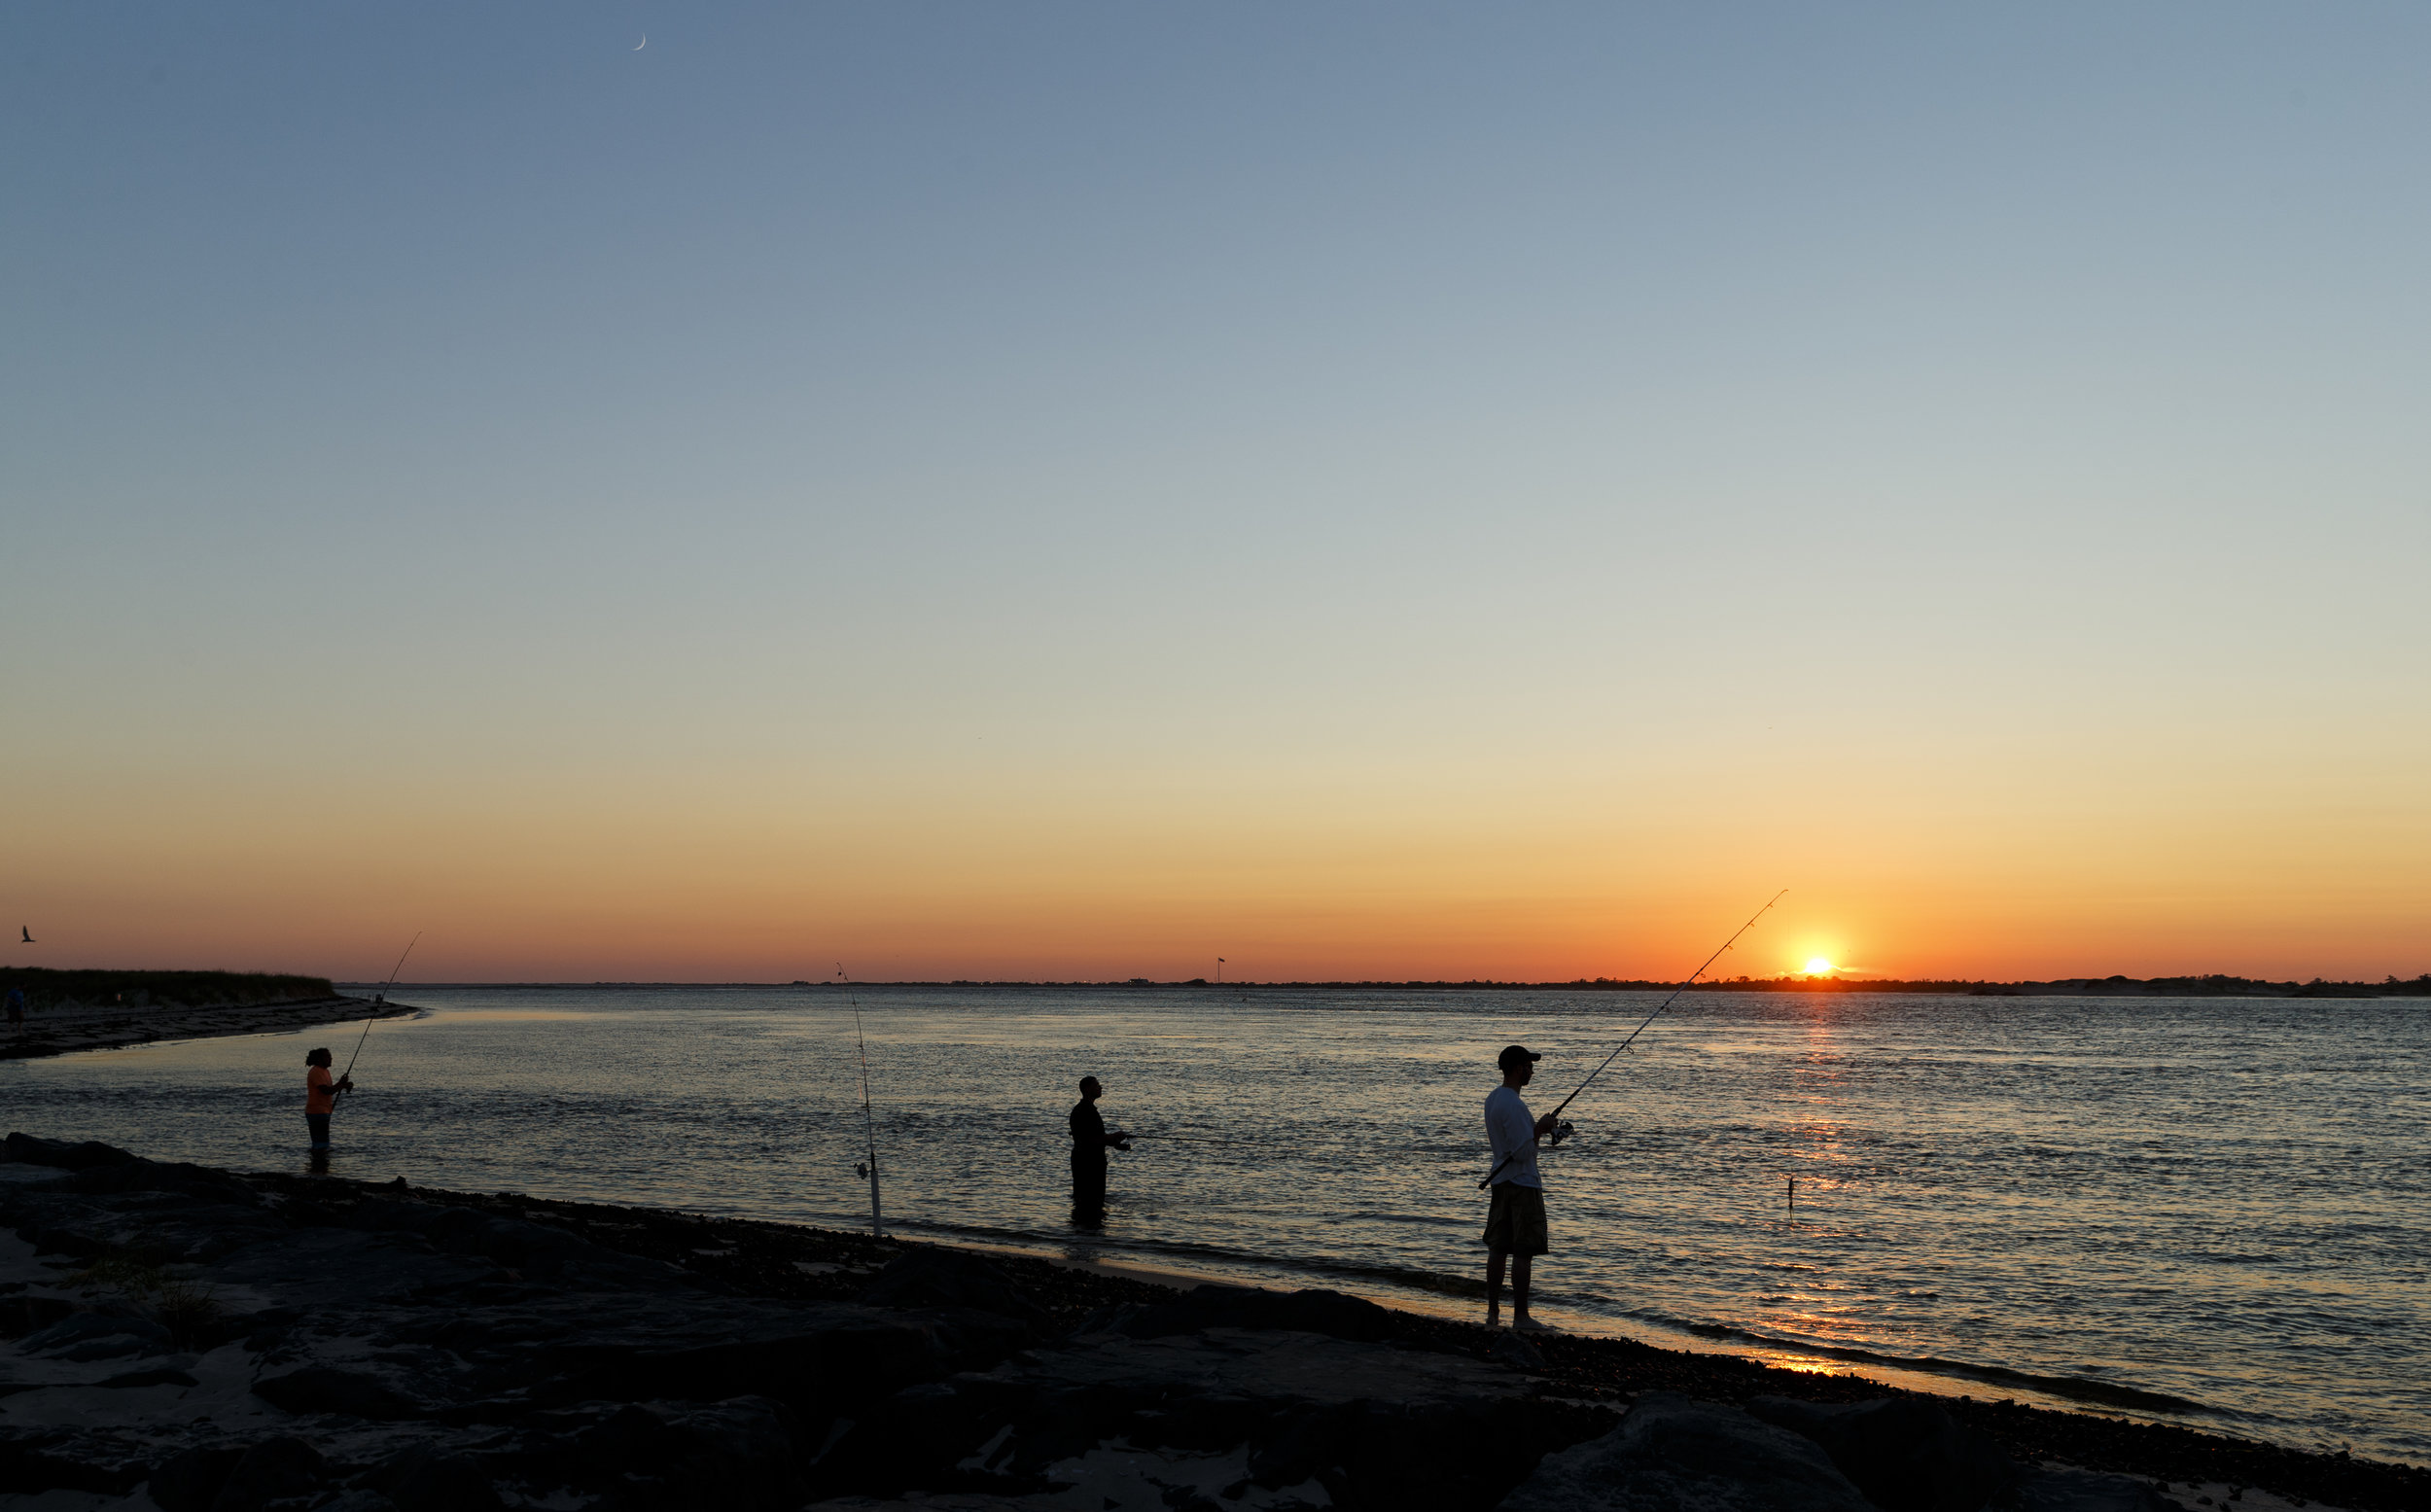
x=1786 y=430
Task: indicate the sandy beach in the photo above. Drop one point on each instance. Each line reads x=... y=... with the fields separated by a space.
x=107 y=1026
x=174 y=1333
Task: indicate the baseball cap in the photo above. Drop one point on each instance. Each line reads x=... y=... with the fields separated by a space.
x=1513 y=1054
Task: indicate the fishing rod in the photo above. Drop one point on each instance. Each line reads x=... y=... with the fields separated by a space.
x=1559 y=1128
x=381 y=997
x=869 y=1120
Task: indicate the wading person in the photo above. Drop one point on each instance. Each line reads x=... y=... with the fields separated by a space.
x=1515 y=1225
x=1089 y=1144
x=321 y=1096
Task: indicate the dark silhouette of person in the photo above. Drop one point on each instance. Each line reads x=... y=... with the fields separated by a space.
x=1515 y=1223
x=1089 y=1144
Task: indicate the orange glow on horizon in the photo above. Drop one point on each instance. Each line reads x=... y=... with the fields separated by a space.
x=1082 y=872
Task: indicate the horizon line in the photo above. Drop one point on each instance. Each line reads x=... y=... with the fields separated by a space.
x=1787 y=981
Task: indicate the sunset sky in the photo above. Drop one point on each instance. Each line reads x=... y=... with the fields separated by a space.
x=1070 y=492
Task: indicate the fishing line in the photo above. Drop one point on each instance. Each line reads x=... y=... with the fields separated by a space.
x=381 y=997
x=1560 y=1129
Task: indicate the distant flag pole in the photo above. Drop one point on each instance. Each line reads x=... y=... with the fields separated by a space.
x=1219 y=971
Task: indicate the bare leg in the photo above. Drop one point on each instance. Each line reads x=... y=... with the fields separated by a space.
x=1522 y=1267
x=1493 y=1286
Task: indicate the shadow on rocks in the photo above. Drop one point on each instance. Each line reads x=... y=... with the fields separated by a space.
x=421 y=1479
x=1295 y=1416
x=1906 y=1453
x=190 y=1481
x=2084 y=1491
x=320 y=1388
x=1672 y=1453
x=1898 y=1453
x=63 y=1154
x=1311 y=1310
x=934 y=1277
x=745 y=1454
x=239 y=1480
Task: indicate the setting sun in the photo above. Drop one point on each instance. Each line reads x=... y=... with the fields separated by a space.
x=1819 y=967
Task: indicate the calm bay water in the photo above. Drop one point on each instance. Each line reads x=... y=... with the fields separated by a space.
x=2219 y=1202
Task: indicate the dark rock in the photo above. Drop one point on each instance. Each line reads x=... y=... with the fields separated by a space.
x=21 y=1316
x=2082 y=1491
x=1673 y=1454
x=946 y=1503
x=273 y=1470
x=142 y=1378
x=1312 y=1311
x=53 y=1239
x=137 y=1174
x=158 y=1218
x=62 y=1154
x=535 y=1249
x=190 y=1481
x=421 y=1481
x=743 y=1453
x=66 y=1459
x=324 y=1389
x=932 y=1278
x=1376 y=1426
x=819 y=1357
x=1905 y=1453
x=1514 y=1349
x=90 y=1336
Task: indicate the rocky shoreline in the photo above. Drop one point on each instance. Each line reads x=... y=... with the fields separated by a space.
x=63 y=1029
x=185 y=1338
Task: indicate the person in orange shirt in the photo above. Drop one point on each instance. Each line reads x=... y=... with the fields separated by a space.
x=321 y=1096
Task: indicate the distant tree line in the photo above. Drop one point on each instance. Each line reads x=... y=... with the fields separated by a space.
x=46 y=988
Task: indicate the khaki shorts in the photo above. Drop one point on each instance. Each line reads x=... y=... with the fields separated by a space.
x=1516 y=1222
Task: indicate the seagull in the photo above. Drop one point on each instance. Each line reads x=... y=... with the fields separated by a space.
x=27 y=932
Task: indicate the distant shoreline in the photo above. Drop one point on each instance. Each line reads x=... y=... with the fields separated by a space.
x=65 y=1030
x=2064 y=987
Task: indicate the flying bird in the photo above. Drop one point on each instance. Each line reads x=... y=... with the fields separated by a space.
x=27 y=933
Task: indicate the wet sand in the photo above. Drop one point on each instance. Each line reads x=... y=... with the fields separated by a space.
x=109 y=1026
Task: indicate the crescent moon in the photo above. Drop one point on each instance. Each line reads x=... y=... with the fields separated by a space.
x=644 y=42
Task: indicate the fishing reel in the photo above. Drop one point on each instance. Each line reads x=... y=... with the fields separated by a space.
x=1561 y=1132
x=861 y=1170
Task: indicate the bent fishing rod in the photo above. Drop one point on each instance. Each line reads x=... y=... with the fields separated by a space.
x=373 y=1019
x=869 y=1120
x=1559 y=1127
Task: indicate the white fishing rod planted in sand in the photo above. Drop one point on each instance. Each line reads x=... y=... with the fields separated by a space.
x=869 y=1120
x=1562 y=1130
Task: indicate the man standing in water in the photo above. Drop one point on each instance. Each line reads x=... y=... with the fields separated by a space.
x=321 y=1097
x=1089 y=1144
x=1515 y=1225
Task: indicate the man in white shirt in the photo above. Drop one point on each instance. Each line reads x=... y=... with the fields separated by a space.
x=1515 y=1225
